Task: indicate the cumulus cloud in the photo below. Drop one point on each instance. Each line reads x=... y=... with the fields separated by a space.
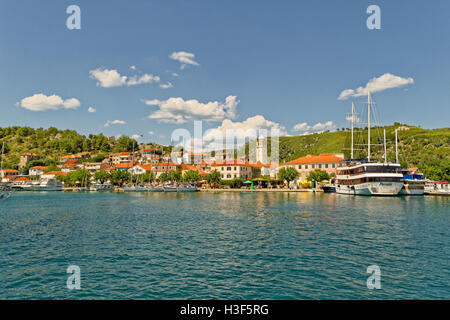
x=166 y=85
x=184 y=58
x=232 y=134
x=111 y=78
x=178 y=110
x=41 y=102
x=136 y=136
x=92 y=110
x=174 y=74
x=111 y=122
x=386 y=81
x=318 y=127
x=133 y=67
x=301 y=127
x=152 y=133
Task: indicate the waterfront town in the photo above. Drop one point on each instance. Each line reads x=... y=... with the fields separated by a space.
x=124 y=171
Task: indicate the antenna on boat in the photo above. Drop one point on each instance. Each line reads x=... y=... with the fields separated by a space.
x=385 y=155
x=368 y=126
x=396 y=146
x=1 y=164
x=353 y=119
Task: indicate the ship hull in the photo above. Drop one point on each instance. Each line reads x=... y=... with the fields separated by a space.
x=371 y=189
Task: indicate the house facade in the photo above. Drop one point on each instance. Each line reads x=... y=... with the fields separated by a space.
x=327 y=162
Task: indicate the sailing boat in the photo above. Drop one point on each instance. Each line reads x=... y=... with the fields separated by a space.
x=364 y=177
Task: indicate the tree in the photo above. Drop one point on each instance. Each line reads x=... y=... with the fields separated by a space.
x=213 y=177
x=174 y=175
x=119 y=177
x=288 y=173
x=318 y=175
x=102 y=176
x=192 y=176
x=149 y=176
x=78 y=177
x=125 y=143
x=52 y=167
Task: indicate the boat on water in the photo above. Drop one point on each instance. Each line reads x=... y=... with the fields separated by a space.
x=437 y=187
x=48 y=185
x=170 y=188
x=365 y=176
x=329 y=188
x=377 y=179
x=5 y=192
x=186 y=188
x=156 y=189
x=413 y=184
x=129 y=187
x=101 y=187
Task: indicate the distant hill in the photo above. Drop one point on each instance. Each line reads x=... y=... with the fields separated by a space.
x=52 y=143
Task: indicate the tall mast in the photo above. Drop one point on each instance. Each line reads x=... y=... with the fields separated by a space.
x=396 y=147
x=368 y=126
x=353 y=119
x=1 y=163
x=385 y=155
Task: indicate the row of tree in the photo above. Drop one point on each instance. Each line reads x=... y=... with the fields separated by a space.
x=81 y=177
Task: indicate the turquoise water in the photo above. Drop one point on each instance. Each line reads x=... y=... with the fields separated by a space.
x=223 y=246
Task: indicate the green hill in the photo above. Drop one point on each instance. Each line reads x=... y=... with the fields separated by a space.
x=49 y=144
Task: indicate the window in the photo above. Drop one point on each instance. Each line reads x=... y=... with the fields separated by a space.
x=234 y=168
x=333 y=165
x=222 y=169
x=313 y=166
x=320 y=166
x=228 y=168
x=299 y=167
x=326 y=166
x=222 y=176
x=228 y=175
x=235 y=175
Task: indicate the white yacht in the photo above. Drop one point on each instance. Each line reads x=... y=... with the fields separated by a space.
x=365 y=177
x=378 y=179
x=48 y=185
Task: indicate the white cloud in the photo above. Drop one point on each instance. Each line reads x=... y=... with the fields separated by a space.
x=152 y=133
x=184 y=58
x=386 y=81
x=92 y=110
x=175 y=74
x=166 y=85
x=234 y=134
x=301 y=127
x=111 y=78
x=329 y=125
x=136 y=136
x=133 y=67
x=178 y=110
x=318 y=127
x=111 y=122
x=41 y=102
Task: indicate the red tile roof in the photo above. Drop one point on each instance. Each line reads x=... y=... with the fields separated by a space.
x=10 y=170
x=56 y=173
x=22 y=179
x=122 y=165
x=39 y=168
x=146 y=167
x=323 y=158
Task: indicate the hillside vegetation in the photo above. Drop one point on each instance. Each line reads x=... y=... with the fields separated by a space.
x=49 y=144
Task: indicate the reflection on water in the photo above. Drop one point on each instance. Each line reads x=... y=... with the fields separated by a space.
x=224 y=245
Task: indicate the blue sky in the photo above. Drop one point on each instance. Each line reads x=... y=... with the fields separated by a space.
x=287 y=61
